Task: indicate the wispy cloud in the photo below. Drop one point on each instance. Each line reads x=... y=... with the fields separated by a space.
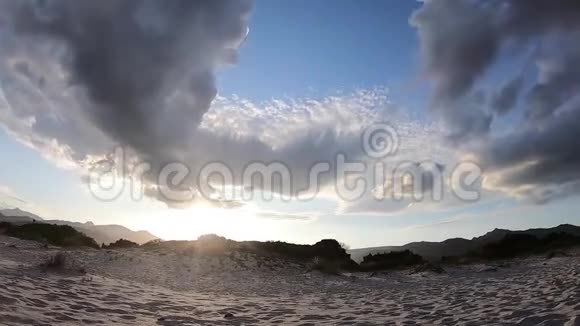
x=448 y=221
x=8 y=198
x=304 y=217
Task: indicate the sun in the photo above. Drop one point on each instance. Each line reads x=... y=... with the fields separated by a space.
x=189 y=224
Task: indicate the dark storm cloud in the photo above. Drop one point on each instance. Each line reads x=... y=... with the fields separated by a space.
x=559 y=78
x=506 y=98
x=131 y=56
x=458 y=42
x=532 y=17
x=141 y=71
x=543 y=156
x=462 y=39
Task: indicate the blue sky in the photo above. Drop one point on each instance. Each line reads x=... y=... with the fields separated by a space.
x=289 y=49
x=295 y=50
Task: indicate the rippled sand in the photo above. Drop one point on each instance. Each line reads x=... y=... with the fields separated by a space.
x=138 y=287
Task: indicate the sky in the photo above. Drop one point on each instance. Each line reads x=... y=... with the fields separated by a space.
x=479 y=100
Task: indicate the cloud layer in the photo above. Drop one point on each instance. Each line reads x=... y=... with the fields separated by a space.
x=462 y=41
x=79 y=78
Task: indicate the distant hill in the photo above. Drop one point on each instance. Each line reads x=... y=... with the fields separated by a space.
x=101 y=233
x=107 y=233
x=18 y=215
x=457 y=247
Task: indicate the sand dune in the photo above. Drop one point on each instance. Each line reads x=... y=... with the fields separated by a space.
x=137 y=287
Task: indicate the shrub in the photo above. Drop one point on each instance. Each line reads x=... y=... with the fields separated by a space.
x=4 y=227
x=510 y=246
x=560 y=240
x=325 y=266
x=152 y=244
x=278 y=248
x=211 y=244
x=121 y=244
x=458 y=260
x=391 y=260
x=328 y=251
x=57 y=262
x=557 y=253
x=60 y=263
x=56 y=235
x=428 y=267
x=521 y=245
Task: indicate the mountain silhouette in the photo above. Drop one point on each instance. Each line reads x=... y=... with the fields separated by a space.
x=434 y=251
x=101 y=233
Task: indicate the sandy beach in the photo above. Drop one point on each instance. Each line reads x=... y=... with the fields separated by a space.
x=140 y=287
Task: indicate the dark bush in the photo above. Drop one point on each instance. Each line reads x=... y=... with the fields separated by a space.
x=56 y=235
x=326 y=266
x=521 y=245
x=4 y=227
x=557 y=253
x=121 y=244
x=329 y=249
x=278 y=248
x=61 y=264
x=152 y=244
x=460 y=260
x=428 y=268
x=57 y=262
x=391 y=260
x=212 y=244
x=560 y=240
x=328 y=252
x=512 y=245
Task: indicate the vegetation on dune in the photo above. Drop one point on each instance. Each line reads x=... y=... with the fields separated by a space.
x=329 y=253
x=215 y=245
x=152 y=244
x=326 y=266
x=56 y=262
x=120 y=244
x=4 y=226
x=517 y=245
x=56 y=235
x=62 y=264
x=391 y=260
x=328 y=256
x=510 y=245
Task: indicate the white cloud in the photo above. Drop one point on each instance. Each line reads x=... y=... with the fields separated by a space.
x=236 y=131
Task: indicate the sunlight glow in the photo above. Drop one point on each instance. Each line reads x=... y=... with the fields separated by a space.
x=189 y=224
